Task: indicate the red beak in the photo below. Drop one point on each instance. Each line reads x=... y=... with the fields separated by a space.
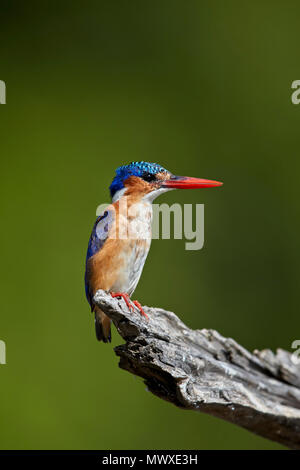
x=186 y=182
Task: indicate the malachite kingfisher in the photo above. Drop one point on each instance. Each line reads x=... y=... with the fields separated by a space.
x=114 y=262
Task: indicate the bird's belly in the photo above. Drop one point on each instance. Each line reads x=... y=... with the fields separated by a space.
x=131 y=266
x=117 y=267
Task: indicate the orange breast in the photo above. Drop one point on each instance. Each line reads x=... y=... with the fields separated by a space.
x=117 y=266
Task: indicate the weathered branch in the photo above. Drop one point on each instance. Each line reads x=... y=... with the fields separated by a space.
x=201 y=370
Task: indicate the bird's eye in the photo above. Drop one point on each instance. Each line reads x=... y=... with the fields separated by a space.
x=149 y=177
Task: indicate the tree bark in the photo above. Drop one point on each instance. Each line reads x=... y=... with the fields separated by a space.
x=201 y=370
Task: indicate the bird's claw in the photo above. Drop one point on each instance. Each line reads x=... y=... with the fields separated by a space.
x=141 y=310
x=125 y=297
x=129 y=302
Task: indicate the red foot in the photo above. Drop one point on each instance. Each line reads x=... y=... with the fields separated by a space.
x=130 y=302
x=138 y=305
x=125 y=297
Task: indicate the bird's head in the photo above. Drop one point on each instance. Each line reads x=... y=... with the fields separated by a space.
x=143 y=179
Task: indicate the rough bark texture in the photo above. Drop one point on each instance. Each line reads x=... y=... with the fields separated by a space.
x=201 y=370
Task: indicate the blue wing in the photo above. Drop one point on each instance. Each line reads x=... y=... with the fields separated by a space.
x=97 y=239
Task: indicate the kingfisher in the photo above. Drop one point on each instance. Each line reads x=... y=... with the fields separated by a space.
x=121 y=236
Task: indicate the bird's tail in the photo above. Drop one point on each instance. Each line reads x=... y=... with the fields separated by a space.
x=102 y=326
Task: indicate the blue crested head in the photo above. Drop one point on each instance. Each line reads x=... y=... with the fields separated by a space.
x=144 y=170
x=152 y=179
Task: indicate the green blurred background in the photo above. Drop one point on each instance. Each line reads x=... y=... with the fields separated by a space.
x=204 y=89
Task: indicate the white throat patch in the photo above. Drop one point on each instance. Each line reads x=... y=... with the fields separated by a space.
x=118 y=194
x=154 y=194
